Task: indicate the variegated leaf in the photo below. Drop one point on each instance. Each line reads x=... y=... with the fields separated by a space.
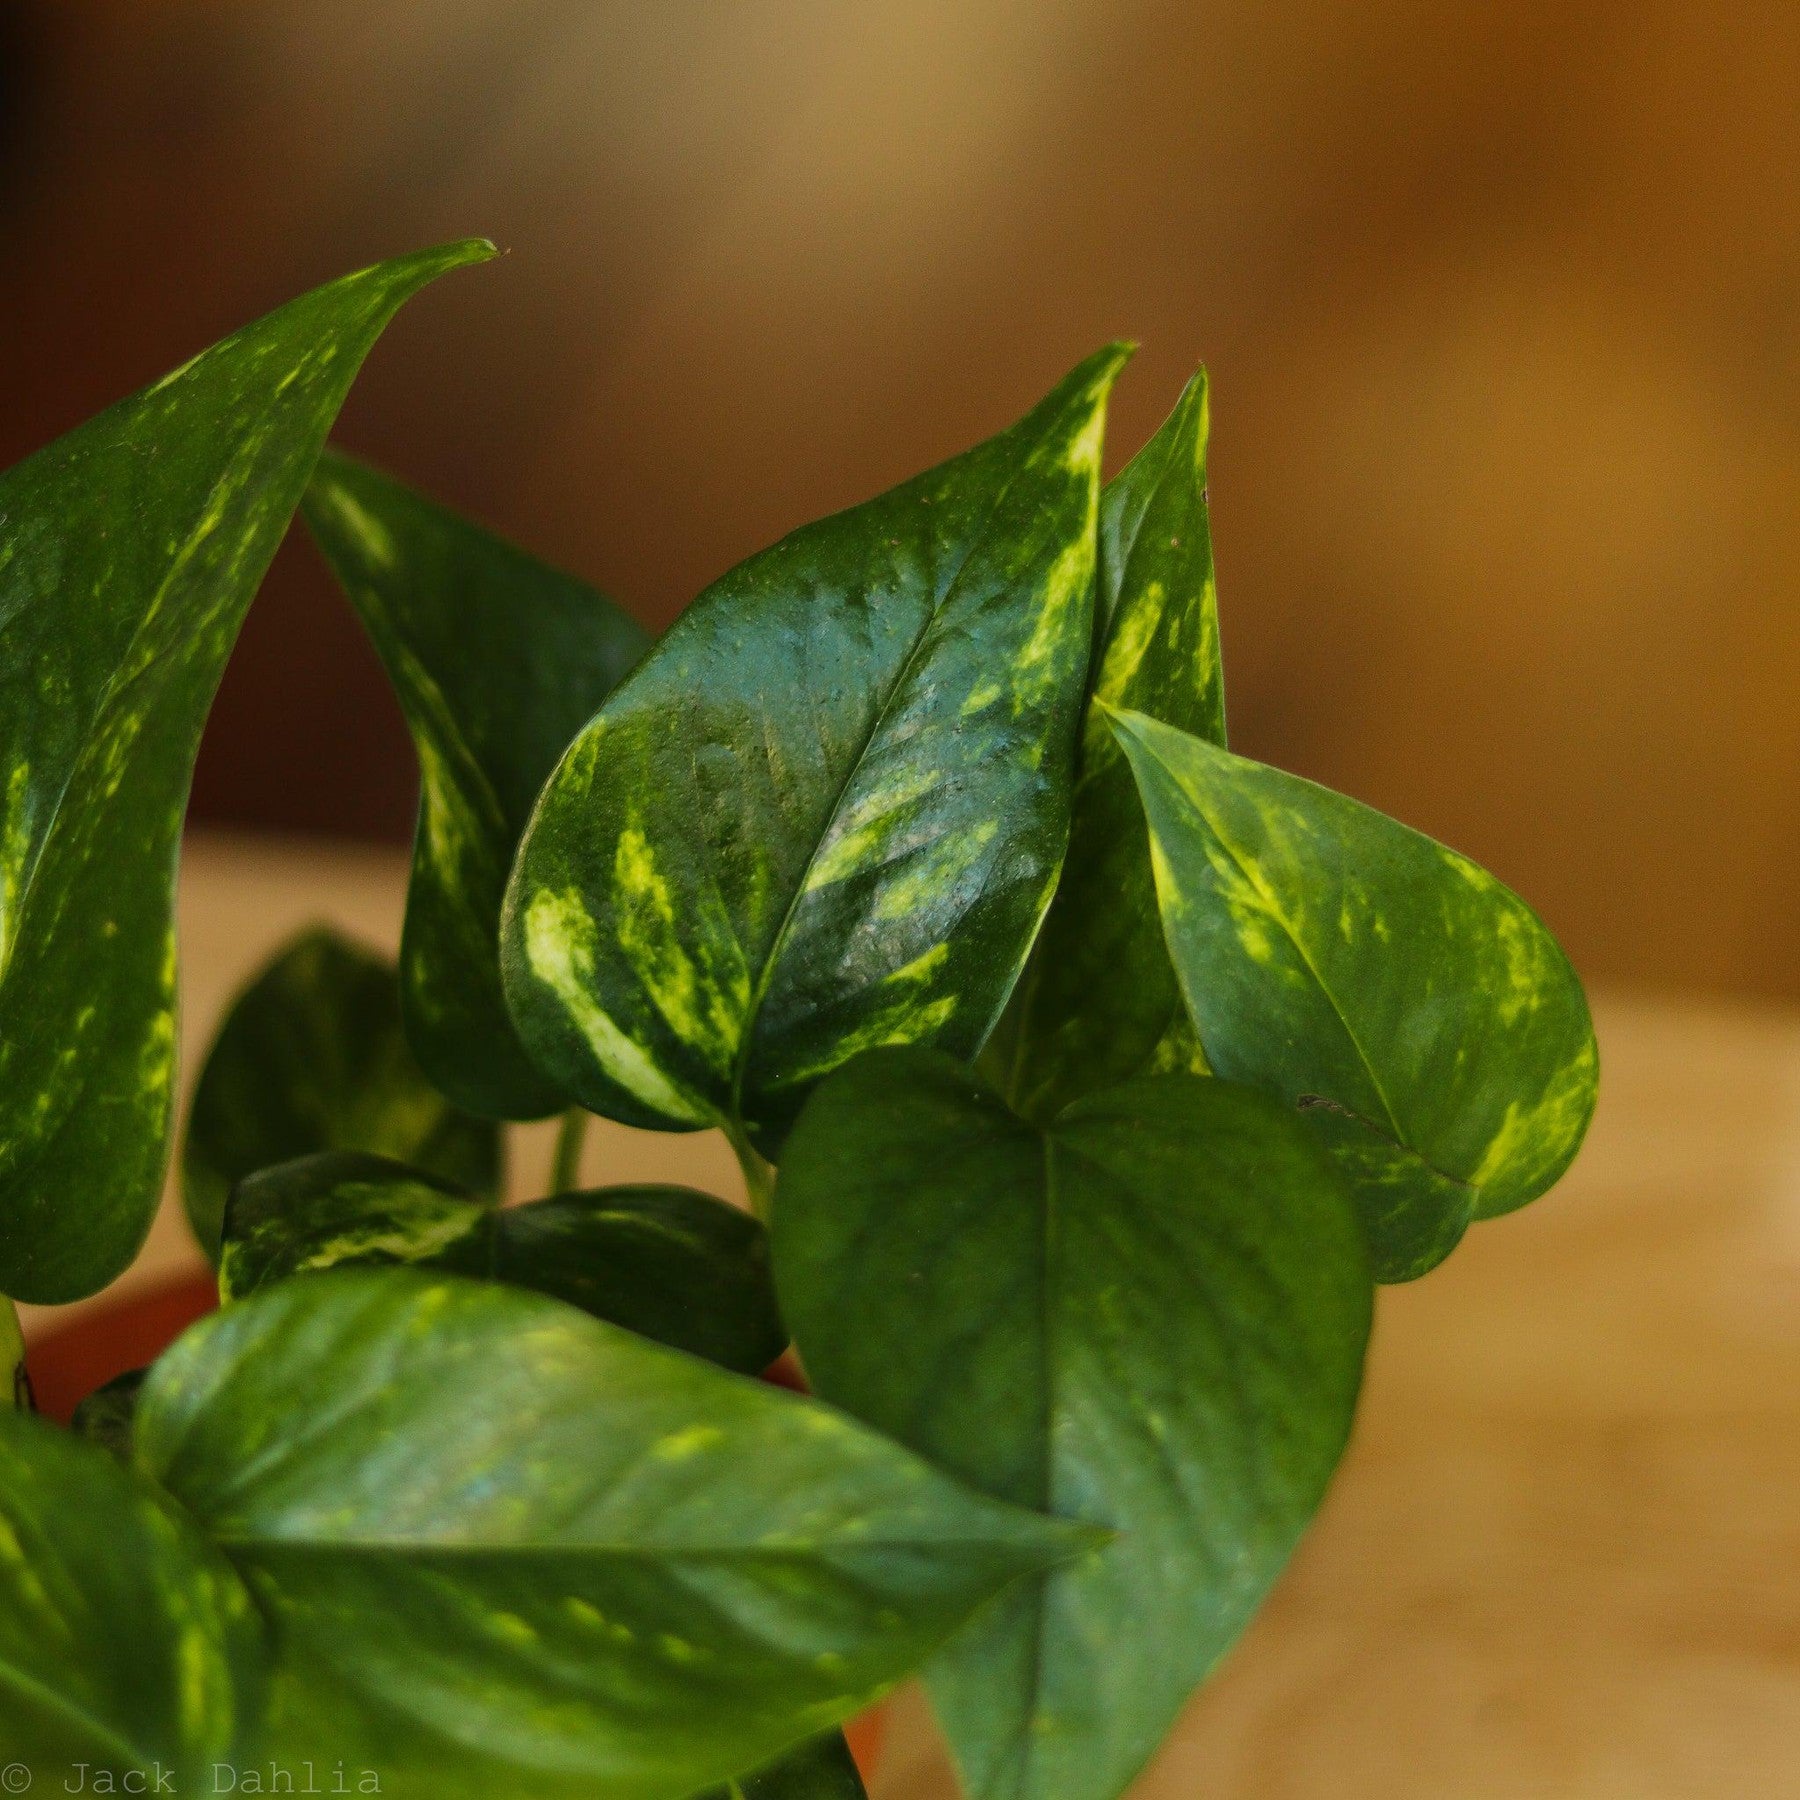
x=506 y=1549
x=1099 y=1002
x=1150 y=1313
x=128 y=1644
x=312 y=1057
x=828 y=810
x=675 y=1265
x=498 y=661
x=129 y=552
x=1413 y=1008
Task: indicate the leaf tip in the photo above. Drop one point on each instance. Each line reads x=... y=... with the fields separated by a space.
x=469 y=250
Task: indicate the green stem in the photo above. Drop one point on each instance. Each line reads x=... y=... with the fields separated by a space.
x=15 y=1389
x=759 y=1176
x=565 y=1168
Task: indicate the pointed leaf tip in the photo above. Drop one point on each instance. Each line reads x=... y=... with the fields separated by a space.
x=159 y=516
x=498 y=660
x=1309 y=931
x=909 y=772
x=1098 y=1001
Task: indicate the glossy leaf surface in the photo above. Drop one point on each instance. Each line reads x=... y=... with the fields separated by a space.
x=126 y=1640
x=1413 y=1008
x=498 y=661
x=313 y=1056
x=828 y=810
x=1099 y=1002
x=130 y=551
x=507 y=1549
x=673 y=1264
x=1150 y=1314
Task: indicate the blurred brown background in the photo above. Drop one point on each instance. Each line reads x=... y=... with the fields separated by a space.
x=1502 y=305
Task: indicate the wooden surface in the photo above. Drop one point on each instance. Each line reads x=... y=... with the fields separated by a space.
x=1562 y=1561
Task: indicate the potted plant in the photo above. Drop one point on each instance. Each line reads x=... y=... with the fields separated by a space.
x=1087 y=1079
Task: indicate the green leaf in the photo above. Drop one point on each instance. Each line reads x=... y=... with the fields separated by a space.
x=130 y=551
x=312 y=1056
x=1416 y=1011
x=15 y=1384
x=673 y=1264
x=1099 y=1002
x=498 y=661
x=105 y=1416
x=820 y=1769
x=828 y=810
x=505 y=1548
x=126 y=1640
x=1150 y=1313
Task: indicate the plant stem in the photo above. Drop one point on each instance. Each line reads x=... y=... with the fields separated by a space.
x=759 y=1176
x=15 y=1387
x=565 y=1168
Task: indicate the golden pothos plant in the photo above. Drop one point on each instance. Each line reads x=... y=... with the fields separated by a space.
x=1086 y=1076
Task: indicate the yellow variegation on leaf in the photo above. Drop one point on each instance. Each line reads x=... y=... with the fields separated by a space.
x=827 y=812
x=1412 y=1007
x=129 y=553
x=498 y=660
x=1098 y=1002
x=311 y=1057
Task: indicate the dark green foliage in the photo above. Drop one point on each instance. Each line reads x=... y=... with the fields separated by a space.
x=498 y=661
x=1099 y=1002
x=828 y=810
x=105 y=1416
x=1150 y=1313
x=312 y=1057
x=129 y=553
x=676 y=1265
x=480 y=1498
x=1415 y=1011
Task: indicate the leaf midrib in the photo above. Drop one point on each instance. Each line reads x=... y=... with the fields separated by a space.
x=1326 y=1103
x=1271 y=906
x=766 y=974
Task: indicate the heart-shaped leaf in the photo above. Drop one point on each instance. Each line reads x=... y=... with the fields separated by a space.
x=130 y=551
x=127 y=1642
x=673 y=1264
x=1150 y=1313
x=505 y=1548
x=1416 y=1011
x=828 y=810
x=312 y=1056
x=498 y=661
x=1099 y=1002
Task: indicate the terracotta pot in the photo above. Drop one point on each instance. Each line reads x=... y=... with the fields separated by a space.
x=69 y=1362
